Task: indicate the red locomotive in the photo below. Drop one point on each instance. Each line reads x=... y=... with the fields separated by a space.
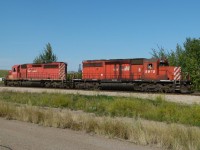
x=140 y=74
x=136 y=74
x=48 y=74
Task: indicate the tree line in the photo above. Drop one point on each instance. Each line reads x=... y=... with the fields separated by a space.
x=187 y=56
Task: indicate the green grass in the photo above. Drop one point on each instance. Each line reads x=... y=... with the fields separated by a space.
x=3 y=73
x=158 y=110
x=142 y=132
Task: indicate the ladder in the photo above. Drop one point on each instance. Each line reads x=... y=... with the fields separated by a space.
x=177 y=85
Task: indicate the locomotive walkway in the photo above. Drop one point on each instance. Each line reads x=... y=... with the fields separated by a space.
x=186 y=99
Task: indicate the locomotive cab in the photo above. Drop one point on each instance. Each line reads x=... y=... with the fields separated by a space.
x=14 y=73
x=156 y=69
x=159 y=69
x=150 y=69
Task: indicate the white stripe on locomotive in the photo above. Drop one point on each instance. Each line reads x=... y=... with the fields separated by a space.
x=62 y=71
x=177 y=73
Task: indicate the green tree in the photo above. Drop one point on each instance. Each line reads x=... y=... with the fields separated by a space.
x=160 y=53
x=47 y=56
x=176 y=57
x=186 y=56
x=192 y=60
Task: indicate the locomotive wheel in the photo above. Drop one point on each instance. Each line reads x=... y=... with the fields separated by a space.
x=19 y=83
x=5 y=83
x=97 y=86
x=47 y=84
x=159 y=88
x=143 y=87
x=42 y=84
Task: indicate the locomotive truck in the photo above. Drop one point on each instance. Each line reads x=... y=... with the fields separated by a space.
x=138 y=74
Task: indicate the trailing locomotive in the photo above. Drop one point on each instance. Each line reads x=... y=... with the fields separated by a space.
x=47 y=75
x=140 y=74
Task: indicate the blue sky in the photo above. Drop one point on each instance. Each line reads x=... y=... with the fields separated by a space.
x=93 y=29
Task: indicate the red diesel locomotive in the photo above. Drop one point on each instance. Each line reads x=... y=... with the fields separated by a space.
x=48 y=74
x=140 y=74
x=136 y=74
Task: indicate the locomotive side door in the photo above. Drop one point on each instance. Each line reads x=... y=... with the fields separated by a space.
x=23 y=71
x=117 y=71
x=18 y=72
x=111 y=70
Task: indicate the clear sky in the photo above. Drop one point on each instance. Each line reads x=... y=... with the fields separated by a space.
x=93 y=29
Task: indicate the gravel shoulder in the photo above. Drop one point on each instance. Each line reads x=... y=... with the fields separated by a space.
x=16 y=135
x=186 y=99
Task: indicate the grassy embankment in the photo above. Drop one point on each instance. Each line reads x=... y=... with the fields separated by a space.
x=105 y=117
x=3 y=73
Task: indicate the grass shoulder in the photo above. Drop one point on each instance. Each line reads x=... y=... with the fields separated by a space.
x=158 y=110
x=139 y=131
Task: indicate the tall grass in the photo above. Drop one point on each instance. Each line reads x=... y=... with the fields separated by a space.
x=159 y=110
x=166 y=136
x=3 y=73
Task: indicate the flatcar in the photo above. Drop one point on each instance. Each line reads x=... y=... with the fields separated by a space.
x=139 y=74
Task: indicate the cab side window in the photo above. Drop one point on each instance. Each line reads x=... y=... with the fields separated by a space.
x=14 y=70
x=150 y=66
